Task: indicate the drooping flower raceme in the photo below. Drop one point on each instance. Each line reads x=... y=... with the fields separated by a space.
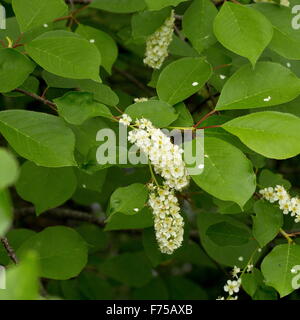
x=166 y=159
x=289 y=205
x=285 y=3
x=158 y=43
x=168 y=223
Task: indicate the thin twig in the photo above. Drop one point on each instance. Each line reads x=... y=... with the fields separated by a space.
x=204 y=118
x=64 y=213
x=49 y=103
x=133 y=80
x=10 y=251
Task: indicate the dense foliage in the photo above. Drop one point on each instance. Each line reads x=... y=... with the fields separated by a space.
x=73 y=226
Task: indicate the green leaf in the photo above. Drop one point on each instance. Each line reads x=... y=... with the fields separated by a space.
x=39 y=137
x=159 y=4
x=22 y=282
x=159 y=112
x=185 y=118
x=145 y=23
x=267 y=85
x=198 y=24
x=276 y=268
x=273 y=134
x=15 y=239
x=34 y=13
x=120 y=221
x=286 y=39
x=14 y=68
x=95 y=288
x=76 y=107
x=128 y=200
x=61 y=52
x=243 y=30
x=228 y=174
x=153 y=290
x=269 y=179
x=227 y=255
x=46 y=188
x=9 y=170
x=62 y=252
x=105 y=44
x=132 y=269
x=226 y=234
x=267 y=221
x=119 y=6
x=6 y=215
x=95 y=237
x=182 y=78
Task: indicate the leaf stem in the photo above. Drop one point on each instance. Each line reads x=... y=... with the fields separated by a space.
x=288 y=238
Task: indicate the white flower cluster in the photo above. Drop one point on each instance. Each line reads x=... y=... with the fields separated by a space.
x=167 y=161
x=168 y=223
x=165 y=157
x=286 y=203
x=285 y=3
x=158 y=43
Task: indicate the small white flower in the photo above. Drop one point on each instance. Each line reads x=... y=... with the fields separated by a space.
x=143 y=99
x=232 y=286
x=136 y=209
x=241 y=258
x=235 y=272
x=249 y=267
x=92 y=40
x=259 y=250
x=194 y=84
x=220 y=298
x=125 y=120
x=288 y=64
x=45 y=25
x=222 y=76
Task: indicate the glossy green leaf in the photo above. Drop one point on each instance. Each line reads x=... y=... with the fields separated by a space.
x=77 y=107
x=277 y=265
x=39 y=137
x=46 y=188
x=267 y=221
x=228 y=174
x=198 y=24
x=159 y=112
x=34 y=13
x=243 y=30
x=182 y=78
x=9 y=170
x=273 y=134
x=22 y=282
x=267 y=85
x=60 y=52
x=14 y=69
x=104 y=42
x=128 y=200
x=159 y=4
x=226 y=234
x=62 y=252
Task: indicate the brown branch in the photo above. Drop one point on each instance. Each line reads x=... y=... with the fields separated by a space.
x=133 y=80
x=10 y=251
x=36 y=97
x=204 y=118
x=64 y=213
